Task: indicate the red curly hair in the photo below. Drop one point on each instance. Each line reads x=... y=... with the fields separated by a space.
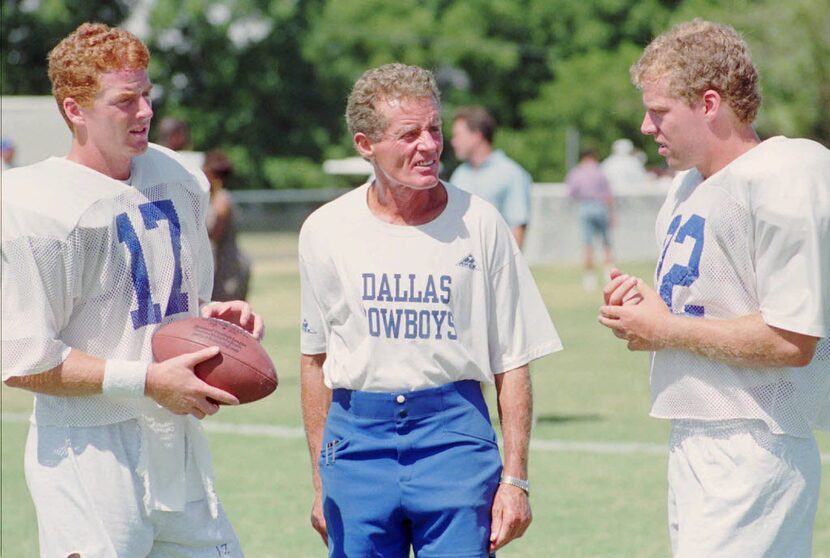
x=92 y=49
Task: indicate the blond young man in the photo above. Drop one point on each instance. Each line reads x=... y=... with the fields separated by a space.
x=413 y=294
x=740 y=318
x=100 y=248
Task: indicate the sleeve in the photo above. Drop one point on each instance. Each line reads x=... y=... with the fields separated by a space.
x=792 y=258
x=203 y=249
x=517 y=201
x=38 y=281
x=519 y=327
x=313 y=326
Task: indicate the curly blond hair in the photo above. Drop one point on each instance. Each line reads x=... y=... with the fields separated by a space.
x=385 y=83
x=92 y=49
x=698 y=55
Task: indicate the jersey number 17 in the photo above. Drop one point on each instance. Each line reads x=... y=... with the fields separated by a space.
x=149 y=312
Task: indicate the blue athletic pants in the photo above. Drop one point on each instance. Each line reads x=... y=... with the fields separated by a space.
x=403 y=469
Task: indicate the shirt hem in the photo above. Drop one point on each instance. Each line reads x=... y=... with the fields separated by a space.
x=774 y=427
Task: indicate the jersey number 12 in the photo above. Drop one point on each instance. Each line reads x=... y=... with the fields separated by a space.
x=682 y=275
x=149 y=312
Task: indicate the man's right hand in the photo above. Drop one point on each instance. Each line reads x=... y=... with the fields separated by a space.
x=318 y=520
x=173 y=385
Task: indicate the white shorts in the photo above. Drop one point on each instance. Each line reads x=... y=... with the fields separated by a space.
x=88 y=500
x=737 y=490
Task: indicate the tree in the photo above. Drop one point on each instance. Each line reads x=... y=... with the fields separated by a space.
x=498 y=53
x=268 y=79
x=591 y=47
x=234 y=71
x=29 y=30
x=790 y=45
x=592 y=93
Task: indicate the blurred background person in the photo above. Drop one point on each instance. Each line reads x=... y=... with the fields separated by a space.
x=589 y=186
x=624 y=169
x=231 y=267
x=7 y=150
x=488 y=172
x=174 y=133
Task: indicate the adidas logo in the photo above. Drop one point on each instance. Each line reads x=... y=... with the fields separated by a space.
x=469 y=262
x=307 y=328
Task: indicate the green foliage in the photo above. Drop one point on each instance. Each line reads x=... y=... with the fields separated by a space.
x=29 y=30
x=267 y=79
x=346 y=38
x=294 y=172
x=539 y=148
x=234 y=70
x=593 y=93
x=790 y=44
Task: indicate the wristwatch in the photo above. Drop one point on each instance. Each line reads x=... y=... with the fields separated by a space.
x=521 y=483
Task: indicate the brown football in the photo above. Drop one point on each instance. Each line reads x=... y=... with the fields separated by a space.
x=242 y=366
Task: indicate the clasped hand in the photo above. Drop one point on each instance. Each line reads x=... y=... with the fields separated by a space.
x=635 y=312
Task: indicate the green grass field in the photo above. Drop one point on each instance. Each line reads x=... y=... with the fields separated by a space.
x=595 y=493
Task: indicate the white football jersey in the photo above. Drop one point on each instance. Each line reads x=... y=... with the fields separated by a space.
x=98 y=265
x=754 y=237
x=410 y=307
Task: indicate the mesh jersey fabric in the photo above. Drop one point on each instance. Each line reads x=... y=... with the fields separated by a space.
x=94 y=264
x=411 y=307
x=751 y=238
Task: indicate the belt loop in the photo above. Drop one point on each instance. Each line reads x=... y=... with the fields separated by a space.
x=330 y=454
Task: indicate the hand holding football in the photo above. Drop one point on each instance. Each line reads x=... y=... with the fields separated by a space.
x=241 y=368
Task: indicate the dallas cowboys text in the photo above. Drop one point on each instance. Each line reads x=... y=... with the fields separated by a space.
x=430 y=319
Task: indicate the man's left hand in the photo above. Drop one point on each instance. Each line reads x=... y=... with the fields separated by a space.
x=643 y=324
x=511 y=516
x=237 y=312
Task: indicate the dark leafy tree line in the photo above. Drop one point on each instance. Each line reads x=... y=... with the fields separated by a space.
x=267 y=79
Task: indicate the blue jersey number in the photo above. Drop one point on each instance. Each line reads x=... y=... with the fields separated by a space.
x=682 y=275
x=149 y=312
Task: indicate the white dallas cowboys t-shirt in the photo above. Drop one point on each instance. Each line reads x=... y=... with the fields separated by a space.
x=409 y=307
x=98 y=265
x=754 y=236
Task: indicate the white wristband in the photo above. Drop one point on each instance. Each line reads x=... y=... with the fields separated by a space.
x=124 y=378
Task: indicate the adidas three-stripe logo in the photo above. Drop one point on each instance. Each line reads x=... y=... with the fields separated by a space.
x=469 y=262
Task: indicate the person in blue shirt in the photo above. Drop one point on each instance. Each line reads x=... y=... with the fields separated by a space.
x=488 y=172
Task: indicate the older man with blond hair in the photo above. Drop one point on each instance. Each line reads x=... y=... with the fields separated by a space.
x=413 y=295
